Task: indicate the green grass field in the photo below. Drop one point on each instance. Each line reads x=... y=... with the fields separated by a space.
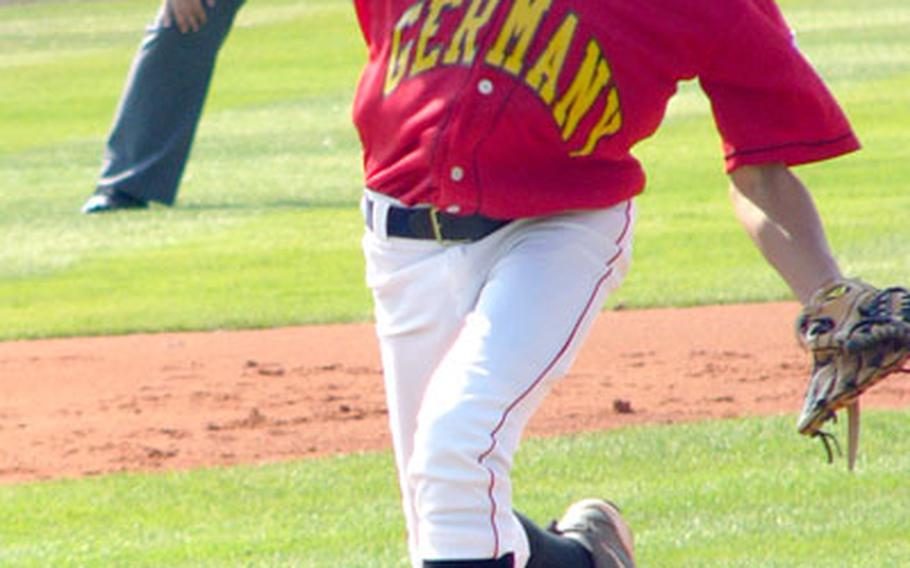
x=743 y=493
x=266 y=234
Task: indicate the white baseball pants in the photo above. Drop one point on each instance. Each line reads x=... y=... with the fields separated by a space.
x=472 y=337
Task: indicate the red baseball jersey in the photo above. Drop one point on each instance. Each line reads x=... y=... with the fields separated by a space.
x=519 y=108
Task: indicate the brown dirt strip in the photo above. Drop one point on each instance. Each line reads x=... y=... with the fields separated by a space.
x=91 y=406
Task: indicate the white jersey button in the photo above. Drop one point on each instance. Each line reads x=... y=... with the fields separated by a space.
x=485 y=86
x=453 y=209
x=457 y=173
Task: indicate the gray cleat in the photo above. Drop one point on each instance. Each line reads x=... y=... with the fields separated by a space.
x=597 y=525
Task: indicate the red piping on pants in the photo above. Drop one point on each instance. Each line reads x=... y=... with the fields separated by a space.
x=537 y=381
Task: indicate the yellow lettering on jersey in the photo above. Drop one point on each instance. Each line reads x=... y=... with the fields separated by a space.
x=401 y=54
x=424 y=59
x=516 y=34
x=463 y=47
x=610 y=122
x=589 y=82
x=544 y=74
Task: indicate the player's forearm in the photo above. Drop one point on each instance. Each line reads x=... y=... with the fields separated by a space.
x=777 y=212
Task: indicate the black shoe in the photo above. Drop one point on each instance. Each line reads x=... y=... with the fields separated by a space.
x=104 y=200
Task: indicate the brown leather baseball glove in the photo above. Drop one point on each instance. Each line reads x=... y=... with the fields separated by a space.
x=856 y=335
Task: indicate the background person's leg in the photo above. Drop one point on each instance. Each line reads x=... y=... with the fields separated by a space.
x=162 y=102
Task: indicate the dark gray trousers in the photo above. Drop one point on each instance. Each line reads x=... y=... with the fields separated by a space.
x=156 y=120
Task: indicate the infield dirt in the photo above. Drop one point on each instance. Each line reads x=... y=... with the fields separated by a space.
x=91 y=406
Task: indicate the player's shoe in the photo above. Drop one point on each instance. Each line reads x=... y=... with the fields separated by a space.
x=107 y=200
x=598 y=526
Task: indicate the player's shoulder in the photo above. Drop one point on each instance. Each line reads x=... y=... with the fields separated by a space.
x=719 y=19
x=720 y=11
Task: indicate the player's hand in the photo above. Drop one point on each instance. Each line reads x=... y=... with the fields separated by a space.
x=189 y=15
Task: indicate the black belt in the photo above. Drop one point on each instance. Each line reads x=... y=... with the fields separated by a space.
x=431 y=223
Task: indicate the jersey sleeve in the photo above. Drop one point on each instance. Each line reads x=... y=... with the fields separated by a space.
x=769 y=103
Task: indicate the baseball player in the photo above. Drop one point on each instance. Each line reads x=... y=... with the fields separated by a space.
x=156 y=120
x=500 y=206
